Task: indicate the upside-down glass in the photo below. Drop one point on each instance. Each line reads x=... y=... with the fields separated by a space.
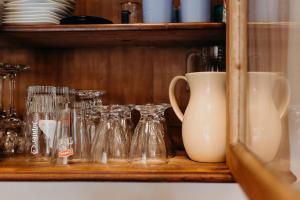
x=62 y=96
x=91 y=102
x=148 y=146
x=110 y=145
x=41 y=121
x=161 y=108
x=126 y=123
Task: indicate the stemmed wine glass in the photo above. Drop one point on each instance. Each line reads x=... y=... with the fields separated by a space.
x=2 y=78
x=12 y=70
x=12 y=124
x=2 y=111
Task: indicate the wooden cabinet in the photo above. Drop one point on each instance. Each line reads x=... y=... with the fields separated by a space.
x=134 y=63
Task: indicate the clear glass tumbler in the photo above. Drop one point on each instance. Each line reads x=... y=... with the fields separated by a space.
x=91 y=103
x=81 y=144
x=148 y=146
x=110 y=145
x=41 y=121
x=161 y=109
x=126 y=123
x=63 y=140
x=62 y=96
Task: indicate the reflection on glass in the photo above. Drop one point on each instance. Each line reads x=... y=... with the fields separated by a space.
x=264 y=119
x=273 y=112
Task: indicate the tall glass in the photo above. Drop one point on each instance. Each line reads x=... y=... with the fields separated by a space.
x=41 y=121
x=12 y=141
x=2 y=78
x=63 y=140
x=81 y=144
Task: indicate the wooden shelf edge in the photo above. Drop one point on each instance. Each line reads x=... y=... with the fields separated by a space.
x=274 y=25
x=178 y=169
x=144 y=177
x=70 y=36
x=112 y=27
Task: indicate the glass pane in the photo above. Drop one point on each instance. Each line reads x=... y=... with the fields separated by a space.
x=273 y=112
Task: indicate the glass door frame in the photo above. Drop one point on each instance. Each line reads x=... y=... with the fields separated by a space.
x=255 y=179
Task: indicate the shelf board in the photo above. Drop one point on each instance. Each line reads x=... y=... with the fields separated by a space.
x=178 y=169
x=64 y=36
x=274 y=25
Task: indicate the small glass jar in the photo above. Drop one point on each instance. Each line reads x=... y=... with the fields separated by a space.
x=135 y=10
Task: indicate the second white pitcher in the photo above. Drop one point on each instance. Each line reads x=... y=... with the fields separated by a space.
x=204 y=121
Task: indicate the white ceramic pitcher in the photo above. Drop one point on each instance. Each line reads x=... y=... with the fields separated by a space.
x=204 y=121
x=264 y=118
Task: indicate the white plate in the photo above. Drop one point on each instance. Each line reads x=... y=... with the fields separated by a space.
x=32 y=14
x=28 y=23
x=33 y=1
x=32 y=20
x=37 y=5
x=67 y=4
x=35 y=9
x=13 y=18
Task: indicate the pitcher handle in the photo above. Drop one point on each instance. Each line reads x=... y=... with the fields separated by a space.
x=284 y=106
x=172 y=97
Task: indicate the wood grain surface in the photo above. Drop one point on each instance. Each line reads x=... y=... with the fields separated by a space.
x=134 y=63
x=58 y=36
x=178 y=169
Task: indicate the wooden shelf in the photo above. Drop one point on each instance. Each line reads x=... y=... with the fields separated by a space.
x=274 y=25
x=61 y=36
x=178 y=169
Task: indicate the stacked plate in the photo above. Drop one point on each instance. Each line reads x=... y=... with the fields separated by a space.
x=36 y=11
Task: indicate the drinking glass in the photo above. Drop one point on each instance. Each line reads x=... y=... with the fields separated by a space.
x=207 y=59
x=161 y=109
x=62 y=96
x=63 y=140
x=11 y=71
x=10 y=123
x=41 y=121
x=110 y=145
x=148 y=146
x=81 y=144
x=72 y=95
x=2 y=78
x=126 y=122
x=2 y=111
x=91 y=102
